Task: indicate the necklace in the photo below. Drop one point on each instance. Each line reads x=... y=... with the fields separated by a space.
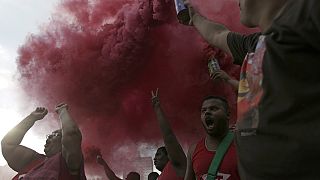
x=207 y=147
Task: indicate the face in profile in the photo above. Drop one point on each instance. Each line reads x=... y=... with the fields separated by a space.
x=160 y=159
x=214 y=117
x=53 y=143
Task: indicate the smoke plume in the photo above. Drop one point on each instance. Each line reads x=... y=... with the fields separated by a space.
x=103 y=58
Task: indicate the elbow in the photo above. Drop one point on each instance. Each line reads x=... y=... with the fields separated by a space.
x=3 y=143
x=181 y=163
x=218 y=38
x=4 y=148
x=180 y=168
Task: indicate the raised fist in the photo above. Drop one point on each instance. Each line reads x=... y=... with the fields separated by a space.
x=39 y=113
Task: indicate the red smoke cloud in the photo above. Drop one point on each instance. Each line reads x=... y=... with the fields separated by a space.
x=103 y=57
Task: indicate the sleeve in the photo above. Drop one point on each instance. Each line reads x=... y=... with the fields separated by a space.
x=315 y=15
x=310 y=24
x=240 y=45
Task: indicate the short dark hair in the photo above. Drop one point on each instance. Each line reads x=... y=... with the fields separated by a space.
x=153 y=175
x=134 y=175
x=222 y=99
x=162 y=148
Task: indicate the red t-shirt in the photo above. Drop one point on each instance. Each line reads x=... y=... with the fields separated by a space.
x=168 y=173
x=54 y=167
x=40 y=158
x=201 y=160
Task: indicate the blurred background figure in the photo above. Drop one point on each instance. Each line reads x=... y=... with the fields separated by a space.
x=153 y=176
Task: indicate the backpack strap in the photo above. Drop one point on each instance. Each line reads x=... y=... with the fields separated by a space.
x=221 y=151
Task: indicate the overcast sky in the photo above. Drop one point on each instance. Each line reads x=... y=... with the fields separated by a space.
x=18 y=18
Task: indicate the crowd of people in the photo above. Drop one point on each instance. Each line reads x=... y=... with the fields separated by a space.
x=277 y=122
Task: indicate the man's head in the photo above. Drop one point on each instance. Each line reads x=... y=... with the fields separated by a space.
x=215 y=116
x=254 y=13
x=153 y=176
x=133 y=176
x=53 y=143
x=161 y=158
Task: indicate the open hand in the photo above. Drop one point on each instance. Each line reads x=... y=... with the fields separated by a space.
x=155 y=98
x=61 y=107
x=39 y=113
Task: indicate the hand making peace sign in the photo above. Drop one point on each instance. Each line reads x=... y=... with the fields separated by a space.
x=155 y=98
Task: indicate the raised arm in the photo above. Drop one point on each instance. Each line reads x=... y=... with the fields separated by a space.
x=190 y=175
x=110 y=174
x=71 y=140
x=16 y=155
x=214 y=33
x=176 y=155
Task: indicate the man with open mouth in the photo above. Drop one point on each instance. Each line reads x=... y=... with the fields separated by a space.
x=215 y=120
x=279 y=89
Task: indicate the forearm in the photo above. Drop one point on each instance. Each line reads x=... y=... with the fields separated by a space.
x=68 y=125
x=214 y=33
x=189 y=171
x=19 y=156
x=163 y=122
x=169 y=138
x=234 y=83
x=15 y=135
x=190 y=175
x=71 y=141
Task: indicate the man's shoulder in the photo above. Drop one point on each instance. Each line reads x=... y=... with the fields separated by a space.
x=196 y=145
x=168 y=172
x=240 y=45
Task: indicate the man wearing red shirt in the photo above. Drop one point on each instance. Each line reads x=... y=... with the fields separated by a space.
x=215 y=120
x=163 y=164
x=63 y=156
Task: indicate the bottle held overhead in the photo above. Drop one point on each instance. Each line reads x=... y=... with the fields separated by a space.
x=182 y=12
